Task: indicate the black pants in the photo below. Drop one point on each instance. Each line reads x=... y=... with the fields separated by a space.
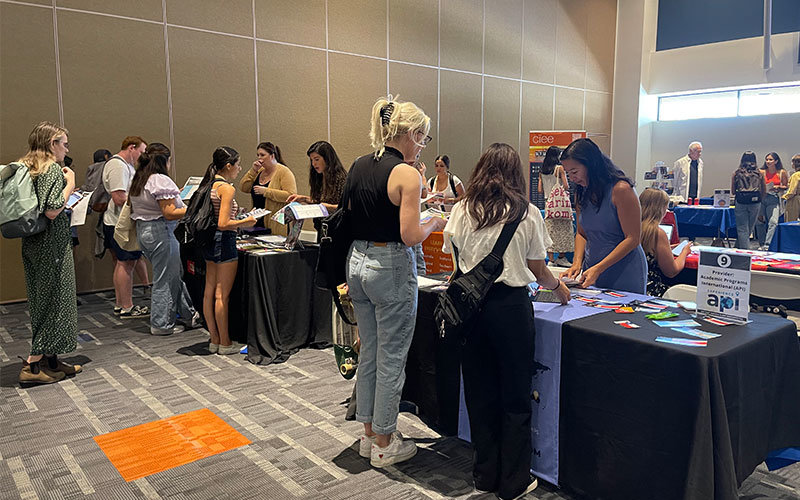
x=497 y=365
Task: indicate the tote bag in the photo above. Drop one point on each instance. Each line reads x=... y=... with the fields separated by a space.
x=558 y=204
x=125 y=230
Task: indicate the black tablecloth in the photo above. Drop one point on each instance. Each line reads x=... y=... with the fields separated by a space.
x=642 y=419
x=274 y=306
x=432 y=371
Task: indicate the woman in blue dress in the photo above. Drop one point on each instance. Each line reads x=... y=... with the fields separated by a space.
x=608 y=253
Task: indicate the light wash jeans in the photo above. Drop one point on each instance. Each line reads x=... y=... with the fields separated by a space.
x=383 y=288
x=770 y=209
x=745 y=223
x=419 y=255
x=169 y=295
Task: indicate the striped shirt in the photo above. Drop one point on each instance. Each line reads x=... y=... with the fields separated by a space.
x=215 y=200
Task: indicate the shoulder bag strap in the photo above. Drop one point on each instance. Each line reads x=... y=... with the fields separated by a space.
x=452 y=184
x=504 y=239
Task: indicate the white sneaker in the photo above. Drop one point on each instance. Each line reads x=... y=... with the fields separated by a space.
x=166 y=331
x=563 y=262
x=534 y=484
x=399 y=450
x=365 y=445
x=234 y=348
x=213 y=348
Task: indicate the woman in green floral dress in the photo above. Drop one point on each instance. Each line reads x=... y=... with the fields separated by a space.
x=47 y=258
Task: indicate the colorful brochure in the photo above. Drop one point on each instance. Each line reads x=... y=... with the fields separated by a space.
x=677 y=324
x=694 y=332
x=680 y=341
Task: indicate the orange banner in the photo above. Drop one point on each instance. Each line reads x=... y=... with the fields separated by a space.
x=540 y=141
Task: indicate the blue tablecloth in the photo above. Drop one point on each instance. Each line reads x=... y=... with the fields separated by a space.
x=549 y=319
x=786 y=238
x=704 y=221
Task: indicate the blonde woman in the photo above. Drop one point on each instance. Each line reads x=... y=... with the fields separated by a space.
x=382 y=193
x=661 y=263
x=792 y=195
x=47 y=258
x=269 y=183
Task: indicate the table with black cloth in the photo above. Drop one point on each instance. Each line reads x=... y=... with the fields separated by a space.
x=274 y=306
x=642 y=419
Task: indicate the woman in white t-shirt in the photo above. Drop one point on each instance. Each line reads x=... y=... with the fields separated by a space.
x=496 y=363
x=444 y=183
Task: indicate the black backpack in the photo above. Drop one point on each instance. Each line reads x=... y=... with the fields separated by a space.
x=432 y=183
x=199 y=223
x=463 y=299
x=747 y=184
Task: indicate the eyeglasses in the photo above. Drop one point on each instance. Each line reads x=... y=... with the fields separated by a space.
x=426 y=140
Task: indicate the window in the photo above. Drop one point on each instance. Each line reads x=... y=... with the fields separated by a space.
x=689 y=107
x=769 y=101
x=730 y=103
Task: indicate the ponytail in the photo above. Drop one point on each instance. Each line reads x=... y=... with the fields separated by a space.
x=223 y=156
x=273 y=150
x=391 y=118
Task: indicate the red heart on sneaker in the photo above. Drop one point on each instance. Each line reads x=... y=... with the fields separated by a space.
x=380 y=455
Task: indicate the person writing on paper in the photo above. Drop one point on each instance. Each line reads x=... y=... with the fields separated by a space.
x=497 y=355
x=326 y=177
x=269 y=183
x=382 y=194
x=445 y=184
x=688 y=173
x=156 y=206
x=661 y=263
x=222 y=258
x=777 y=180
x=560 y=229
x=792 y=195
x=608 y=252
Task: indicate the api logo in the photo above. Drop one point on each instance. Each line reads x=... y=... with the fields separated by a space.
x=723 y=302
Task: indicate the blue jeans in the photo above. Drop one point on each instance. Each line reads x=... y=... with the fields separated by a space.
x=169 y=296
x=383 y=288
x=745 y=222
x=770 y=209
x=419 y=255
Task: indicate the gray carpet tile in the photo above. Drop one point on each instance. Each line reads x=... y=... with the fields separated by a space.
x=292 y=412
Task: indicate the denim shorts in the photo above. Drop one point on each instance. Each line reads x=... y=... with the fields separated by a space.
x=223 y=248
x=110 y=243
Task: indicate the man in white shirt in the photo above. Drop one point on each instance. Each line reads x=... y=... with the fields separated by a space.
x=688 y=173
x=118 y=173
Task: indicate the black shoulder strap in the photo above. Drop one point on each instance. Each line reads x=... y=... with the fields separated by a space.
x=452 y=184
x=504 y=239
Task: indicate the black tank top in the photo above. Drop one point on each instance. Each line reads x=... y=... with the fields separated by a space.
x=375 y=217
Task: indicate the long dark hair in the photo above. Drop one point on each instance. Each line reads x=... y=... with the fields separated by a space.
x=600 y=172
x=496 y=190
x=326 y=181
x=223 y=155
x=550 y=160
x=778 y=163
x=153 y=161
x=273 y=150
x=748 y=160
x=445 y=159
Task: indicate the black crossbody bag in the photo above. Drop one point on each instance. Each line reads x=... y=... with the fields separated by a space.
x=463 y=299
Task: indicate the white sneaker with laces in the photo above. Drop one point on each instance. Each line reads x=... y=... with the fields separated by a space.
x=399 y=450
x=166 y=331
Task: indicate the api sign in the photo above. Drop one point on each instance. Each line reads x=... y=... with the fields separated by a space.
x=723 y=285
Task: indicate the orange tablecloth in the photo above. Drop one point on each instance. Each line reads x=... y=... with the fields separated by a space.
x=436 y=261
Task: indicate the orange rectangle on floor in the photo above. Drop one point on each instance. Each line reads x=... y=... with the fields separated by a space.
x=153 y=447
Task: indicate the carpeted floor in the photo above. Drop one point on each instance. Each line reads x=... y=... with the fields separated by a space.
x=292 y=413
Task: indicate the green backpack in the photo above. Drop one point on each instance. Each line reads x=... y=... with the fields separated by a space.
x=20 y=214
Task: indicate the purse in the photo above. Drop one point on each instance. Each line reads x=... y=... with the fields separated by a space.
x=125 y=230
x=458 y=305
x=334 y=244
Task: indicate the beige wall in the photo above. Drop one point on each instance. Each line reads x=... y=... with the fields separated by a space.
x=240 y=71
